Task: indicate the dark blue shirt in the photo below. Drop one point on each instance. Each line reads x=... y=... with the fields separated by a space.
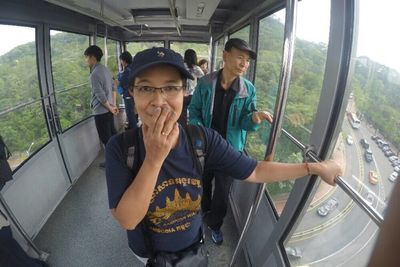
x=123 y=79
x=174 y=213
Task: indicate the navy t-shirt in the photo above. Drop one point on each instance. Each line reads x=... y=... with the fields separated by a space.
x=173 y=217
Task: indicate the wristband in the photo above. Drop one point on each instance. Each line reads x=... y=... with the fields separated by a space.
x=308 y=168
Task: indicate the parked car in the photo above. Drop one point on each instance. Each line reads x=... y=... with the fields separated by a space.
x=373 y=137
x=396 y=163
x=393 y=158
x=364 y=143
x=369 y=198
x=397 y=168
x=393 y=177
x=381 y=143
x=385 y=148
x=368 y=155
x=373 y=177
x=328 y=207
x=294 y=253
x=349 y=140
x=389 y=153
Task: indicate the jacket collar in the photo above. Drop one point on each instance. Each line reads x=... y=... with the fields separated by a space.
x=238 y=84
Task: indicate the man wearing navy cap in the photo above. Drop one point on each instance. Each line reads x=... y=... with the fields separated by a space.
x=226 y=102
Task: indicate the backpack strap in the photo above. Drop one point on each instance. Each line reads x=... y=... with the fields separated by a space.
x=198 y=141
x=130 y=143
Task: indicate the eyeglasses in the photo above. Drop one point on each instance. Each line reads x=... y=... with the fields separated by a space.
x=149 y=90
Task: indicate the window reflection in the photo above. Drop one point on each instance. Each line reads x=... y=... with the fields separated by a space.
x=134 y=47
x=218 y=62
x=202 y=50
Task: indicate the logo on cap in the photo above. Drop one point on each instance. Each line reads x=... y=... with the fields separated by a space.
x=160 y=54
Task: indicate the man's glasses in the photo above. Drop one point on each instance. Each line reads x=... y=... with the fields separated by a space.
x=149 y=90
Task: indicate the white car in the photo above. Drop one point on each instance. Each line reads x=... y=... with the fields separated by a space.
x=349 y=140
x=393 y=176
x=397 y=168
x=327 y=207
x=294 y=253
x=393 y=158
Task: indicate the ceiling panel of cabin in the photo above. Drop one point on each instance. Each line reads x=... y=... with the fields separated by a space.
x=166 y=17
x=129 y=12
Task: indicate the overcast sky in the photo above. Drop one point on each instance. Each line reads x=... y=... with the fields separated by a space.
x=377 y=38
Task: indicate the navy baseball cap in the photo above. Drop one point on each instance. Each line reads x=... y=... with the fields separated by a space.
x=241 y=45
x=156 y=56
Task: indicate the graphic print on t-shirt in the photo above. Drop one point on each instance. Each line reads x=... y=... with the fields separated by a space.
x=174 y=211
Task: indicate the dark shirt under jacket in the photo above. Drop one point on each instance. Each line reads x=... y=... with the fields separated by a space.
x=222 y=103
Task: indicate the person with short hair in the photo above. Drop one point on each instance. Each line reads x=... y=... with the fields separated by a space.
x=226 y=102
x=157 y=198
x=102 y=100
x=123 y=83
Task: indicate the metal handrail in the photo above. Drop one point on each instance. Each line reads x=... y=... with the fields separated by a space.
x=19 y=106
x=69 y=88
x=345 y=186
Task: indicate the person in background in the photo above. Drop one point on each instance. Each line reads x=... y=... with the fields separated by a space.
x=225 y=102
x=158 y=198
x=190 y=59
x=103 y=95
x=123 y=86
x=203 y=64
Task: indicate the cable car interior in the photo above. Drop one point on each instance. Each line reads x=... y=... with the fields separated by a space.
x=313 y=67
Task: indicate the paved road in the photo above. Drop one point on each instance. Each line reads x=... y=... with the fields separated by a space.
x=346 y=236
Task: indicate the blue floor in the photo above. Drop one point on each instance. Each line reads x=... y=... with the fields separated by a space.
x=82 y=232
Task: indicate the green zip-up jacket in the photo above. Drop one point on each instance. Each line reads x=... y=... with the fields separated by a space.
x=240 y=112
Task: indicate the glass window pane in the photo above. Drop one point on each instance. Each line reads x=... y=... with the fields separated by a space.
x=134 y=47
x=24 y=129
x=369 y=130
x=73 y=105
x=112 y=54
x=202 y=50
x=243 y=34
x=70 y=76
x=18 y=66
x=219 y=49
x=307 y=74
x=268 y=66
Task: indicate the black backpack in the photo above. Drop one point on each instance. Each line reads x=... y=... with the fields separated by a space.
x=196 y=136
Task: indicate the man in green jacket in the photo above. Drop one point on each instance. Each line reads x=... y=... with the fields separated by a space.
x=226 y=102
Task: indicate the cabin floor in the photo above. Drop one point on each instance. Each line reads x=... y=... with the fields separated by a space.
x=82 y=231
